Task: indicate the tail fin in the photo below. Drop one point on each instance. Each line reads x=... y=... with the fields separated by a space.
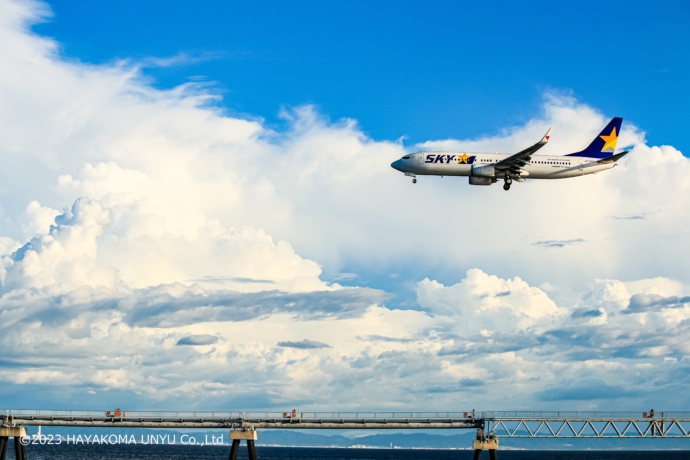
x=605 y=143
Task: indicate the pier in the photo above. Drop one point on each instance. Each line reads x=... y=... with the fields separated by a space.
x=490 y=425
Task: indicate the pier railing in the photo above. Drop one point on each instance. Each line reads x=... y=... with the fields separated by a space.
x=237 y=414
x=254 y=419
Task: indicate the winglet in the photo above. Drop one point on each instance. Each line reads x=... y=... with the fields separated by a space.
x=546 y=137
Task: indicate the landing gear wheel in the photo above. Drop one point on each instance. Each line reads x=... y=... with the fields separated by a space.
x=506 y=186
x=414 y=181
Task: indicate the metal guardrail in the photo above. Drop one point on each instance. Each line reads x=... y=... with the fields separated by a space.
x=228 y=415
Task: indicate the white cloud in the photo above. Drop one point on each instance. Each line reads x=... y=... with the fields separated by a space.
x=38 y=219
x=198 y=339
x=481 y=301
x=574 y=126
x=65 y=257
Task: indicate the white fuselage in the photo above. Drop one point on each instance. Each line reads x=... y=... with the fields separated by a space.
x=461 y=164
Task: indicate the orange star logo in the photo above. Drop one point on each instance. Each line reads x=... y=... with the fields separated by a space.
x=464 y=158
x=610 y=141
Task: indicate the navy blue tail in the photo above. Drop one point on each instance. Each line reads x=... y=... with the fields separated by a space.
x=605 y=143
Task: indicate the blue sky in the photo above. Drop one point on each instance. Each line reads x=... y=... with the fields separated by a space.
x=197 y=208
x=425 y=70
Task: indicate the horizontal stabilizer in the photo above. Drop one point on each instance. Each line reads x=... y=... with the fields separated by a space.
x=613 y=158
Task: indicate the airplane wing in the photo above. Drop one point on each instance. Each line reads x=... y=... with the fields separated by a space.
x=515 y=163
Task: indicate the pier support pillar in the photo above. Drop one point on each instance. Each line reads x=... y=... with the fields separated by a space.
x=252 y=450
x=19 y=451
x=483 y=442
x=3 y=447
x=234 y=450
x=237 y=435
x=16 y=432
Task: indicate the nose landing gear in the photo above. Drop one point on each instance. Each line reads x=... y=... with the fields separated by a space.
x=413 y=176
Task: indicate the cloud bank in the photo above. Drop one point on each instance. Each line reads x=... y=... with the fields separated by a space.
x=153 y=248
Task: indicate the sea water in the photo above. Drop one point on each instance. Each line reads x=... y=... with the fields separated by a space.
x=175 y=452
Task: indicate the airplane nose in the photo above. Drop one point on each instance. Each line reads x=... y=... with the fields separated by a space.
x=397 y=165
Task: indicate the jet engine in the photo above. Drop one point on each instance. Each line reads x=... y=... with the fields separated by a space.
x=483 y=171
x=480 y=180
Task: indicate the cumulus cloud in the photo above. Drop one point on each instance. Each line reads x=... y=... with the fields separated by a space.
x=198 y=339
x=557 y=243
x=137 y=220
x=65 y=257
x=485 y=302
x=643 y=302
x=304 y=344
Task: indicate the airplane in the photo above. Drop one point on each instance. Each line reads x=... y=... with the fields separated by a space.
x=487 y=168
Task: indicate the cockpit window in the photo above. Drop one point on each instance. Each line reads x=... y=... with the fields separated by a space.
x=406 y=158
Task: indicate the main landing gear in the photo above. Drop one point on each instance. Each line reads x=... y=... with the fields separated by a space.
x=414 y=181
x=506 y=185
